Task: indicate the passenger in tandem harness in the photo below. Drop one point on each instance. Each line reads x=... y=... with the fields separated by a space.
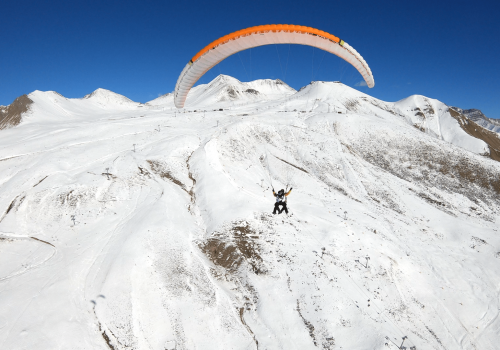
x=280 y=200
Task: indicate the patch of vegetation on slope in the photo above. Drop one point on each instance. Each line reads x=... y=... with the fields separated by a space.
x=432 y=163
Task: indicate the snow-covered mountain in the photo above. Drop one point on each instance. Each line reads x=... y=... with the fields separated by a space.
x=479 y=118
x=109 y=99
x=137 y=226
x=226 y=90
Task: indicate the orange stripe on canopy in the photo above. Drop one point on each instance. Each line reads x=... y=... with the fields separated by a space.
x=265 y=28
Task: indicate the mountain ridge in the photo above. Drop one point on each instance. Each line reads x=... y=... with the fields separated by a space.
x=134 y=226
x=428 y=115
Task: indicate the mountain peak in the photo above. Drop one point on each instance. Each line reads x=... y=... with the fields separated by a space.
x=226 y=89
x=107 y=98
x=102 y=92
x=479 y=118
x=473 y=114
x=328 y=90
x=272 y=86
x=224 y=79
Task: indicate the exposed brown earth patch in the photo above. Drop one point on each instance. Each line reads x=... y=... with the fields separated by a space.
x=231 y=249
x=193 y=180
x=431 y=200
x=222 y=254
x=232 y=93
x=242 y=319
x=419 y=112
x=13 y=205
x=252 y=91
x=477 y=131
x=308 y=324
x=105 y=336
x=39 y=182
x=11 y=115
x=40 y=240
x=295 y=166
x=419 y=127
x=159 y=169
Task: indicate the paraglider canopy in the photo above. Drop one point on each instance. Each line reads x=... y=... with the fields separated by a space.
x=267 y=34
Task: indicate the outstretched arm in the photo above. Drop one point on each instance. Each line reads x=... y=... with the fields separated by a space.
x=274 y=193
x=286 y=194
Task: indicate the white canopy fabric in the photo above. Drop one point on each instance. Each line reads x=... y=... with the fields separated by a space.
x=265 y=35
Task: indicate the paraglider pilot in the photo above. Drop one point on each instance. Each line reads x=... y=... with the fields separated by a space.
x=280 y=200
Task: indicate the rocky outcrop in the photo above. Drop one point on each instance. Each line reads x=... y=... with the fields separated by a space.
x=11 y=115
x=474 y=129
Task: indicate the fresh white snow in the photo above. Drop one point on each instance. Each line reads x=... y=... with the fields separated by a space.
x=139 y=226
x=433 y=117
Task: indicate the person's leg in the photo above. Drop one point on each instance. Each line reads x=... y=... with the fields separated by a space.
x=276 y=208
x=284 y=208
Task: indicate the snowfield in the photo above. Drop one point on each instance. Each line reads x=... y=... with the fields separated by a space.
x=140 y=226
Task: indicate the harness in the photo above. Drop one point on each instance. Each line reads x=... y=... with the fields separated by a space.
x=281 y=198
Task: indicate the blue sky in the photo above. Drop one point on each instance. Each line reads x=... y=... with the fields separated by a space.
x=446 y=50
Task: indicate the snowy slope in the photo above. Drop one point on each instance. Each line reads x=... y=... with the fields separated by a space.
x=128 y=227
x=167 y=99
x=433 y=117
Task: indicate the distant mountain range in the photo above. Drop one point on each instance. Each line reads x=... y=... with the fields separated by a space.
x=428 y=115
x=479 y=118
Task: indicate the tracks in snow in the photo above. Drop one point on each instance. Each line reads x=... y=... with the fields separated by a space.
x=28 y=267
